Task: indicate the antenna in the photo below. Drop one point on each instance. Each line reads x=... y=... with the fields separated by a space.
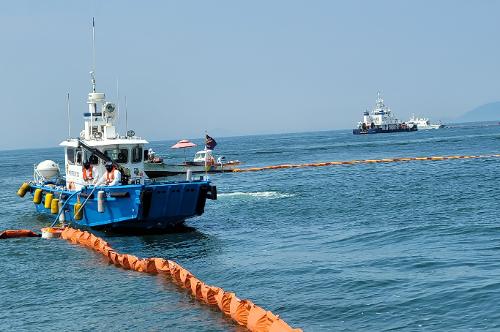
x=69 y=118
x=117 y=100
x=126 y=116
x=92 y=73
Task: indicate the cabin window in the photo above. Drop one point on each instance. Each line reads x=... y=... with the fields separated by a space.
x=118 y=155
x=70 y=155
x=93 y=160
x=78 y=156
x=137 y=154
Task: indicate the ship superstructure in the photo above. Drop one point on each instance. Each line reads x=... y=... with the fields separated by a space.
x=381 y=120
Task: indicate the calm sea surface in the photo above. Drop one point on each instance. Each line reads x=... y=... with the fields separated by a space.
x=411 y=246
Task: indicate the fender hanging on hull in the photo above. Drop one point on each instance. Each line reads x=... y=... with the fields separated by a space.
x=137 y=207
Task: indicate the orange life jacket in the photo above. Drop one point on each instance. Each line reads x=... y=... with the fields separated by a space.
x=87 y=174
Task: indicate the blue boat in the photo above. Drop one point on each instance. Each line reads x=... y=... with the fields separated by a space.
x=130 y=201
x=80 y=197
x=126 y=208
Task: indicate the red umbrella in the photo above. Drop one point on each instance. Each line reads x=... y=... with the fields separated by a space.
x=183 y=144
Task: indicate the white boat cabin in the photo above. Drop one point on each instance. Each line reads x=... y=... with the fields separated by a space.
x=100 y=134
x=204 y=156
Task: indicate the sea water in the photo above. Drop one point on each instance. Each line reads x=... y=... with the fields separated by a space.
x=366 y=247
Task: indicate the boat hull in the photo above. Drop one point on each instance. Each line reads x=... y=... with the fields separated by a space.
x=430 y=127
x=158 y=206
x=156 y=170
x=382 y=131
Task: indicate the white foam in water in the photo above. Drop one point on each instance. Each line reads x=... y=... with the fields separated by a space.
x=259 y=194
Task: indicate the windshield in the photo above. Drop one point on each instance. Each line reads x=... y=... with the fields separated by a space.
x=117 y=155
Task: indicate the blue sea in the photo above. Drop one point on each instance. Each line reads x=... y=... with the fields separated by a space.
x=411 y=246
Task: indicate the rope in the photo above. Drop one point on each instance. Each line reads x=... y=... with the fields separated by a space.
x=62 y=207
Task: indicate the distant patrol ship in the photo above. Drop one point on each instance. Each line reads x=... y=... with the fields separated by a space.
x=424 y=123
x=381 y=120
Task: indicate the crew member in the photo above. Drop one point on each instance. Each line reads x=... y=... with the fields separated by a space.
x=151 y=154
x=112 y=177
x=89 y=173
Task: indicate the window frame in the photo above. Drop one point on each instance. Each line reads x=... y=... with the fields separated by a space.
x=118 y=150
x=140 y=154
x=70 y=157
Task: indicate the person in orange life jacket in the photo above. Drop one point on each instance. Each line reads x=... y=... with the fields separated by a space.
x=89 y=173
x=112 y=177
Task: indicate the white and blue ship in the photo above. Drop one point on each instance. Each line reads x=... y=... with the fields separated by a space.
x=381 y=120
x=137 y=204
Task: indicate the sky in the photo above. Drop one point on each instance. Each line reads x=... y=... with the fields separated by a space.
x=238 y=68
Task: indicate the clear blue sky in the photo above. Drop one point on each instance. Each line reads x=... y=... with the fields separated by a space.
x=237 y=68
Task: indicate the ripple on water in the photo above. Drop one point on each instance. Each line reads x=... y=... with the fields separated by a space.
x=393 y=246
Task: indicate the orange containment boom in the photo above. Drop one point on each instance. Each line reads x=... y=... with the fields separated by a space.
x=14 y=233
x=243 y=312
x=365 y=161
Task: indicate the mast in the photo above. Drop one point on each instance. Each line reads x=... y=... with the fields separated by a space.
x=126 y=117
x=92 y=75
x=117 y=102
x=93 y=55
x=69 y=118
x=93 y=118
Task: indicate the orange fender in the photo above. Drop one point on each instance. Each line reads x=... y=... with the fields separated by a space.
x=68 y=233
x=151 y=266
x=113 y=257
x=239 y=310
x=161 y=265
x=187 y=281
x=140 y=265
x=175 y=272
x=209 y=293
x=224 y=301
x=100 y=245
x=260 y=320
x=196 y=287
x=132 y=260
x=184 y=276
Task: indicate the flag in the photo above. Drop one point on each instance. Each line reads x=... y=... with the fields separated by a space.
x=210 y=143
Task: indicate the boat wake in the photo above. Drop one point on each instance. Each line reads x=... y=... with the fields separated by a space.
x=258 y=195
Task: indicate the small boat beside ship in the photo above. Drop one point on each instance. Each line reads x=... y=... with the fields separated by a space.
x=424 y=123
x=381 y=120
x=204 y=161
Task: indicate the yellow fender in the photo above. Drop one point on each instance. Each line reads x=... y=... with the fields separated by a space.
x=48 y=200
x=77 y=211
x=23 y=189
x=54 y=206
x=37 y=196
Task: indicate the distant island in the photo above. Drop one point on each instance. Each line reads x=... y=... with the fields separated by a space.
x=486 y=112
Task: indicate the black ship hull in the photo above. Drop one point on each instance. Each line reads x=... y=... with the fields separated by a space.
x=378 y=130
